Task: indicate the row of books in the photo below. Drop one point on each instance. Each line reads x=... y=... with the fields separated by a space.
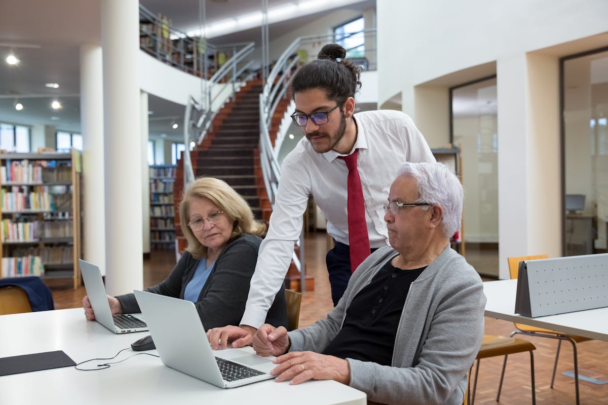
x=161 y=199
x=162 y=172
x=22 y=266
x=164 y=236
x=162 y=246
x=38 y=171
x=19 y=231
x=161 y=211
x=48 y=255
x=162 y=223
x=161 y=187
x=31 y=201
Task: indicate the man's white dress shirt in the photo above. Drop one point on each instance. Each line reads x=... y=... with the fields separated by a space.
x=385 y=139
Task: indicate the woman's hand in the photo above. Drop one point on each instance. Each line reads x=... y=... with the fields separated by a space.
x=115 y=307
x=304 y=366
x=271 y=341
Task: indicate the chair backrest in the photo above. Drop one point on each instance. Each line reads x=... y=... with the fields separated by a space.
x=13 y=300
x=514 y=263
x=294 y=302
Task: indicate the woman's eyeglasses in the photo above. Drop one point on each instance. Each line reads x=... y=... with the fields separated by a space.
x=199 y=224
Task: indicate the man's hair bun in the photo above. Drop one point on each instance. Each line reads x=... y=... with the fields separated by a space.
x=332 y=52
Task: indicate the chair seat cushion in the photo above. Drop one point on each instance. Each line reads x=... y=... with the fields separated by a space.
x=492 y=346
x=534 y=329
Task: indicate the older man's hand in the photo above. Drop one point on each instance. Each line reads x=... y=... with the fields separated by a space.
x=304 y=366
x=220 y=338
x=270 y=341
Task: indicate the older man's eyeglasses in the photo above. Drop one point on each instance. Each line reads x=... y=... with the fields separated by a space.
x=199 y=223
x=320 y=118
x=395 y=206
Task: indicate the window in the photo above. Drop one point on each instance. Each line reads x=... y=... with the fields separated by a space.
x=14 y=138
x=150 y=153
x=350 y=37
x=176 y=149
x=66 y=141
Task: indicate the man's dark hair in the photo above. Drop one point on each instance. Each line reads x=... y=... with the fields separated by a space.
x=330 y=72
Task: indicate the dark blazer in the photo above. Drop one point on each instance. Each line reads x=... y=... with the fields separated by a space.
x=224 y=296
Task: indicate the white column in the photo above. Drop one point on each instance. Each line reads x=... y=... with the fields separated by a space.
x=529 y=183
x=145 y=190
x=122 y=144
x=91 y=117
x=432 y=114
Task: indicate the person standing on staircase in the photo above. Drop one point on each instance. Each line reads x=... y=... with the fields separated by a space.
x=347 y=163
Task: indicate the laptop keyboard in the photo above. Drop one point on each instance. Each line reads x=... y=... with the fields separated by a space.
x=234 y=372
x=128 y=322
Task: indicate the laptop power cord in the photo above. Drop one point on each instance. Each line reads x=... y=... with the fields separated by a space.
x=107 y=365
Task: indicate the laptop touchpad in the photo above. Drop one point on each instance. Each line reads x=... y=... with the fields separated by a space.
x=252 y=361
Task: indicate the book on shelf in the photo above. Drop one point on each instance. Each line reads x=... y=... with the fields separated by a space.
x=37 y=171
x=162 y=223
x=161 y=199
x=162 y=211
x=22 y=266
x=162 y=172
x=159 y=186
x=19 y=231
x=43 y=198
x=48 y=255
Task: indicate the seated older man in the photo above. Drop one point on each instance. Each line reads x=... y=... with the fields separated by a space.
x=411 y=321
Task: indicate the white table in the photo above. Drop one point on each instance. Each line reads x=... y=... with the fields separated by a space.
x=501 y=305
x=140 y=380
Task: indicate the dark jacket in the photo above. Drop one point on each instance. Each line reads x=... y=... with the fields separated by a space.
x=224 y=295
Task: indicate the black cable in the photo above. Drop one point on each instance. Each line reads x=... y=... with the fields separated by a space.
x=107 y=365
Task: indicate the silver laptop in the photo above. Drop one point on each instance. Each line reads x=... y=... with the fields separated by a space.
x=182 y=344
x=124 y=323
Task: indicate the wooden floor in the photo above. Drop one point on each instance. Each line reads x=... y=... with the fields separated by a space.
x=593 y=355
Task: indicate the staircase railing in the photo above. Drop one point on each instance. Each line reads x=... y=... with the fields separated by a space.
x=275 y=89
x=200 y=113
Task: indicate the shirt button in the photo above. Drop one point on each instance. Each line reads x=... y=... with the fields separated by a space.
x=394 y=275
x=385 y=287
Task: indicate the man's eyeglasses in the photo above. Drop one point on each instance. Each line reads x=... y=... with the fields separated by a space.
x=199 y=224
x=395 y=206
x=320 y=118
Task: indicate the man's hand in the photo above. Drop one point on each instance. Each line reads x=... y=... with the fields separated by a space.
x=115 y=307
x=271 y=341
x=304 y=366
x=238 y=336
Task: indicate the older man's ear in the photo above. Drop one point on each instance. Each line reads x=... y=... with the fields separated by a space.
x=436 y=215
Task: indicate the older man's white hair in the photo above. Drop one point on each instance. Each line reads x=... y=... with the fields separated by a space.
x=438 y=185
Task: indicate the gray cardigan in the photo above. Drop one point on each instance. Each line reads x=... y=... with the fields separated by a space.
x=223 y=297
x=438 y=337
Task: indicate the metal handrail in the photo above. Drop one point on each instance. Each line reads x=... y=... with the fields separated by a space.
x=277 y=84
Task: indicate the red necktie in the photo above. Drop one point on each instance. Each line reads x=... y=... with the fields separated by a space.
x=358 y=239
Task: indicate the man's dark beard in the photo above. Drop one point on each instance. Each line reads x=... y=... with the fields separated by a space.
x=339 y=132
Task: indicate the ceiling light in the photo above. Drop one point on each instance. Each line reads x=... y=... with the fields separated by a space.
x=52 y=85
x=56 y=105
x=18 y=106
x=175 y=126
x=192 y=144
x=291 y=136
x=12 y=60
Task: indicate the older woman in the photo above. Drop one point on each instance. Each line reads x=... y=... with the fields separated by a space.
x=215 y=270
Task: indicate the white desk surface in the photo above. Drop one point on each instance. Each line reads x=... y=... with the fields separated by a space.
x=501 y=305
x=140 y=380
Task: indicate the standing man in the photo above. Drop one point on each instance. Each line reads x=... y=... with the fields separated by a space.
x=346 y=163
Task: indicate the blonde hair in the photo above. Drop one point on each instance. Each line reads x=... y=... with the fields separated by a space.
x=234 y=206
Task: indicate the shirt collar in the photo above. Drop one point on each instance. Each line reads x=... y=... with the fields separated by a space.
x=360 y=143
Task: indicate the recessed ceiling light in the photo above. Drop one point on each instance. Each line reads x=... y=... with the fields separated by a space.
x=52 y=85
x=54 y=118
x=56 y=105
x=192 y=144
x=12 y=60
x=291 y=136
x=175 y=126
x=18 y=106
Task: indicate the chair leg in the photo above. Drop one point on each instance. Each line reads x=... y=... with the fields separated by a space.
x=532 y=377
x=502 y=376
x=469 y=386
x=475 y=383
x=559 y=345
x=575 y=351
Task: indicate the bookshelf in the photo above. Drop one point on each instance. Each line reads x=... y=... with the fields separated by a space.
x=41 y=216
x=162 y=214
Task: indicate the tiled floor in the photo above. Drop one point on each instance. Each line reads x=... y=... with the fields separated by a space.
x=593 y=355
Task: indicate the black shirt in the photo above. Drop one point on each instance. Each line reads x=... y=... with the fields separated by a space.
x=372 y=319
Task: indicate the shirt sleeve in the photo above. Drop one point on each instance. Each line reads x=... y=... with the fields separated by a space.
x=277 y=248
x=418 y=149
